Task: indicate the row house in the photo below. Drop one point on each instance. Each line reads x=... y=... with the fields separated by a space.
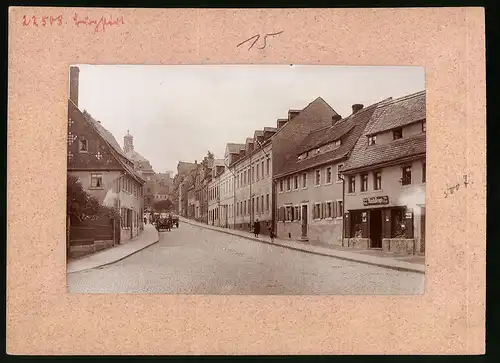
x=385 y=180
x=253 y=180
x=214 y=194
x=183 y=181
x=104 y=172
x=310 y=187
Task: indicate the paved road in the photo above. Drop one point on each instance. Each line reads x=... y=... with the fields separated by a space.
x=195 y=260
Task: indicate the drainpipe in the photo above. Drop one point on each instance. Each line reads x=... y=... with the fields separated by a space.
x=340 y=176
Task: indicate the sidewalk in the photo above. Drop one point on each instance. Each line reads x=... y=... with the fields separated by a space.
x=114 y=254
x=371 y=257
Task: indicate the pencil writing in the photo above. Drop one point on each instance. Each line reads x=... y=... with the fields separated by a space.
x=256 y=37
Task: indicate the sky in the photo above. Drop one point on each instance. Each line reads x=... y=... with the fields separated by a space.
x=179 y=112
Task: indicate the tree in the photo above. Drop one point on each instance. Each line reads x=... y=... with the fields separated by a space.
x=80 y=204
x=163 y=205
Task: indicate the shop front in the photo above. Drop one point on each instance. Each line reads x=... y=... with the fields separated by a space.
x=379 y=225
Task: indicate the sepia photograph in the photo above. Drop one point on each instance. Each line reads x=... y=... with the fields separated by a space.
x=246 y=180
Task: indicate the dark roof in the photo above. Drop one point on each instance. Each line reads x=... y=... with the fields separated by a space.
x=364 y=156
x=111 y=141
x=235 y=148
x=402 y=111
x=348 y=130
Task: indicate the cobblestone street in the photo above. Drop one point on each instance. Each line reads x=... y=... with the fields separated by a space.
x=195 y=260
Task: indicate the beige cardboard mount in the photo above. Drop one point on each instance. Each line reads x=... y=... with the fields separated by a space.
x=42 y=318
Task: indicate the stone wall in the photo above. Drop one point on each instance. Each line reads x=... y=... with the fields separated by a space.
x=360 y=243
x=400 y=246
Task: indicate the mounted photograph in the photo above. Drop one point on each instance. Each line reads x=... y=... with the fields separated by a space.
x=246 y=180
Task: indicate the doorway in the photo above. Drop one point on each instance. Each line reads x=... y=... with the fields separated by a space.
x=376 y=228
x=304 y=221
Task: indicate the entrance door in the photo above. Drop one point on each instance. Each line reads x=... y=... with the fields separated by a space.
x=376 y=228
x=304 y=221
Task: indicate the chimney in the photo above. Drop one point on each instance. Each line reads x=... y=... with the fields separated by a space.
x=335 y=119
x=357 y=107
x=74 y=75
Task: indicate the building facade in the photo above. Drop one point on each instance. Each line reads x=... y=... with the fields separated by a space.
x=385 y=180
x=104 y=172
x=310 y=187
x=214 y=194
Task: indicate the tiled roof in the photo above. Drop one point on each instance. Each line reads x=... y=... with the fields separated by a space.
x=364 y=156
x=111 y=141
x=348 y=130
x=401 y=112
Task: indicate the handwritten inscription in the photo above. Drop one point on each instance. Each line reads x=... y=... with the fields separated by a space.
x=449 y=191
x=256 y=37
x=98 y=24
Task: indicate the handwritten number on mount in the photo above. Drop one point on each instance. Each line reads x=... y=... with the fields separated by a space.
x=257 y=37
x=452 y=189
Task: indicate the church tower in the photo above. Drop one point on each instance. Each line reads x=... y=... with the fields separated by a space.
x=128 y=143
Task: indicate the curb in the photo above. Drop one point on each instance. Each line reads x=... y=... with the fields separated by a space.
x=378 y=264
x=119 y=259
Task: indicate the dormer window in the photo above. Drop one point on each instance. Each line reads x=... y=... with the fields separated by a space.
x=317 y=151
x=372 y=140
x=397 y=133
x=423 y=127
x=337 y=143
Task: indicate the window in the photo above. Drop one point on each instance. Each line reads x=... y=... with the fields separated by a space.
x=253 y=173
x=397 y=133
x=262 y=168
x=268 y=162
x=317 y=151
x=423 y=173
x=297 y=213
x=256 y=205
x=339 y=174
x=352 y=184
x=245 y=208
x=328 y=175
x=257 y=172
x=337 y=143
x=281 y=185
x=289 y=213
x=96 y=180
x=317 y=211
x=288 y=186
x=318 y=177
x=329 y=210
x=364 y=182
x=267 y=202
x=377 y=180
x=372 y=140
x=304 y=180
x=423 y=127
x=262 y=203
x=406 y=175
x=83 y=145
x=296 y=182
x=340 y=209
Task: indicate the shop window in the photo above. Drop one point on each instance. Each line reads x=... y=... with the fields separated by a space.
x=377 y=180
x=406 y=175
x=352 y=184
x=397 y=133
x=372 y=140
x=356 y=225
x=328 y=175
x=318 y=177
x=364 y=182
x=96 y=180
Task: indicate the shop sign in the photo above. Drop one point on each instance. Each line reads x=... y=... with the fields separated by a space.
x=376 y=200
x=364 y=216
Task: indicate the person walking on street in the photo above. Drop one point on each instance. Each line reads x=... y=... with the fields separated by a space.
x=256 y=228
x=271 y=232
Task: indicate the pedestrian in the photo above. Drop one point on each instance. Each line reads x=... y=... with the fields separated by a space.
x=145 y=220
x=271 y=232
x=256 y=228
